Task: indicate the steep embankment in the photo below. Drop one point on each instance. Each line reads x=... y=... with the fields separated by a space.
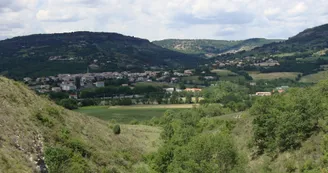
x=34 y=131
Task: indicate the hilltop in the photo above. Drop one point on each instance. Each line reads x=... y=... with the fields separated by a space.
x=211 y=48
x=50 y=54
x=305 y=53
x=306 y=42
x=36 y=133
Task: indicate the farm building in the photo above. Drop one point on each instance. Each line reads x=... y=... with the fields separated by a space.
x=193 y=89
x=263 y=94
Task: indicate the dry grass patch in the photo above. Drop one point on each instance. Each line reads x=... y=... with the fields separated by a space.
x=223 y=72
x=315 y=78
x=272 y=76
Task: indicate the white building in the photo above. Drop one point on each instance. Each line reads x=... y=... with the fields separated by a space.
x=68 y=87
x=100 y=84
x=27 y=79
x=263 y=94
x=56 y=89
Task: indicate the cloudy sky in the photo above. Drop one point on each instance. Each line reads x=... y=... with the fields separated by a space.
x=160 y=19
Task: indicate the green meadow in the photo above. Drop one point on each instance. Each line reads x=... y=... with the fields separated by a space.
x=126 y=114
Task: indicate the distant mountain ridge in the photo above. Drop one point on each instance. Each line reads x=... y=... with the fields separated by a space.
x=306 y=53
x=306 y=42
x=213 y=47
x=49 y=54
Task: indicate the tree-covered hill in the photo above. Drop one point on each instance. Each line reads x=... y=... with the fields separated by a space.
x=306 y=53
x=306 y=43
x=49 y=54
x=212 y=47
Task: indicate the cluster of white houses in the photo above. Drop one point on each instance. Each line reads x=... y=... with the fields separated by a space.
x=171 y=90
x=66 y=82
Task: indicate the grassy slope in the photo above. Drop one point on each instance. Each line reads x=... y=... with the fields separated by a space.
x=271 y=76
x=315 y=78
x=28 y=122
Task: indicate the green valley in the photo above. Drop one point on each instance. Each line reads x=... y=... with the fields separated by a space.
x=89 y=102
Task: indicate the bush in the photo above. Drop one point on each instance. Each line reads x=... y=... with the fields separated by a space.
x=62 y=159
x=69 y=104
x=56 y=157
x=134 y=122
x=117 y=129
x=45 y=120
x=282 y=122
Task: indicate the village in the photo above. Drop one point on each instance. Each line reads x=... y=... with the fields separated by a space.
x=75 y=82
x=246 y=61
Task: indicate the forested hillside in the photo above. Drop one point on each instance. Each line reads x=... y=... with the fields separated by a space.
x=50 y=54
x=307 y=53
x=302 y=45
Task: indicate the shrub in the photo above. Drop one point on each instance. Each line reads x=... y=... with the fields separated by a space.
x=134 y=122
x=69 y=104
x=44 y=119
x=282 y=122
x=78 y=146
x=56 y=157
x=62 y=159
x=117 y=129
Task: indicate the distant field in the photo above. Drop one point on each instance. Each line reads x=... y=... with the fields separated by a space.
x=315 y=78
x=227 y=75
x=223 y=72
x=232 y=78
x=271 y=76
x=155 y=84
x=193 y=79
x=312 y=59
x=125 y=114
x=284 y=55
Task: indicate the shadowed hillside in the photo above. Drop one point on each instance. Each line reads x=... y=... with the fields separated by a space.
x=303 y=44
x=49 y=54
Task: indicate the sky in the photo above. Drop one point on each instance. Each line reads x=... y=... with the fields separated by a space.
x=164 y=19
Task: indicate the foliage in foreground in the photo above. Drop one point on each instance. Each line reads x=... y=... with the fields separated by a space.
x=284 y=123
x=192 y=145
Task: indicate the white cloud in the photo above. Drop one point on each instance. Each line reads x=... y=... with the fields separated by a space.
x=57 y=16
x=298 y=8
x=159 y=19
x=271 y=11
x=226 y=31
